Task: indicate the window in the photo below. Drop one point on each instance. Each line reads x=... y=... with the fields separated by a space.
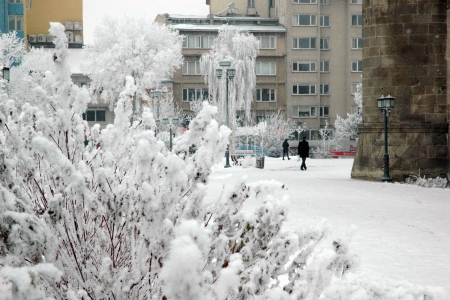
x=324 y=89
x=266 y=42
x=304 y=111
x=194 y=41
x=95 y=115
x=325 y=44
x=15 y=23
x=356 y=1
x=357 y=66
x=16 y=1
x=325 y=2
x=324 y=111
x=324 y=66
x=304 y=43
x=354 y=109
x=271 y=3
x=265 y=68
x=191 y=68
x=356 y=43
x=304 y=89
x=304 y=20
x=195 y=94
x=250 y=3
x=304 y=1
x=356 y=20
x=265 y=95
x=325 y=21
x=304 y=66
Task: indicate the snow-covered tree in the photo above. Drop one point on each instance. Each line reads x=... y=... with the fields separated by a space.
x=240 y=48
x=348 y=127
x=36 y=64
x=278 y=129
x=11 y=49
x=124 y=218
x=131 y=46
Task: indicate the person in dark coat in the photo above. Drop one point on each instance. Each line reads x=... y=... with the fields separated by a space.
x=303 y=152
x=286 y=149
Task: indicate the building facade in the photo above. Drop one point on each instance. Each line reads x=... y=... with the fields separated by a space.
x=38 y=15
x=189 y=85
x=406 y=56
x=323 y=54
x=11 y=17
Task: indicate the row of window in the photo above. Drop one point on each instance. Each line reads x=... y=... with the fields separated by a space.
x=324 y=43
x=326 y=2
x=265 y=42
x=262 y=68
x=268 y=95
x=310 y=111
x=206 y=42
x=311 y=20
x=310 y=66
x=310 y=89
x=269 y=68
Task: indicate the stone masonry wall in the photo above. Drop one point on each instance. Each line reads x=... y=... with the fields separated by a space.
x=404 y=55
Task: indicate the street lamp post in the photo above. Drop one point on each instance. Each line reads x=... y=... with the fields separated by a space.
x=299 y=130
x=230 y=73
x=171 y=122
x=385 y=104
x=160 y=92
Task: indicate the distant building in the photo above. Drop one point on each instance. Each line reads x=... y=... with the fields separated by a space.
x=316 y=50
x=200 y=32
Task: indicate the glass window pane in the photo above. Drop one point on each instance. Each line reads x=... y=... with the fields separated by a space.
x=191 y=94
x=303 y=89
x=100 y=115
x=90 y=115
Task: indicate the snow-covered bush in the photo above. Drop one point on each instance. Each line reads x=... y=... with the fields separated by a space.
x=437 y=182
x=348 y=127
x=326 y=144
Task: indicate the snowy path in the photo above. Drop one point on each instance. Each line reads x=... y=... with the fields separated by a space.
x=403 y=231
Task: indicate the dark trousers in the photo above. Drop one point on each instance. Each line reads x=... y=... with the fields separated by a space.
x=303 y=163
x=286 y=153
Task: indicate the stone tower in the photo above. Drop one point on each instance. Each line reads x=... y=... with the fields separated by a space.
x=405 y=55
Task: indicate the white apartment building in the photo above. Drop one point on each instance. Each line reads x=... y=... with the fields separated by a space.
x=323 y=54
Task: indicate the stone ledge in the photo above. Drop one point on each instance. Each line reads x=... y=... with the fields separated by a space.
x=404 y=128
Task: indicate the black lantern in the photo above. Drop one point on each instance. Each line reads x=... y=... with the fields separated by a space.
x=385 y=104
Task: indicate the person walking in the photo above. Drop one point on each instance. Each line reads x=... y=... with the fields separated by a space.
x=286 y=149
x=303 y=152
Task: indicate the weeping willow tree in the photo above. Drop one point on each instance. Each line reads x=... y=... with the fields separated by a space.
x=240 y=48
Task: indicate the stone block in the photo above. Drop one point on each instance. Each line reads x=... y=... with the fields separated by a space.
x=416 y=28
x=421 y=18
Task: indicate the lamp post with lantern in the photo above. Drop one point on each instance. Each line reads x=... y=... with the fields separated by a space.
x=385 y=104
x=230 y=73
x=157 y=94
x=170 y=122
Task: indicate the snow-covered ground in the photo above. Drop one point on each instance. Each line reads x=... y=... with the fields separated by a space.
x=403 y=231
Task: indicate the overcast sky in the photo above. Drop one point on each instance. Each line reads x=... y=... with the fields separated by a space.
x=95 y=10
